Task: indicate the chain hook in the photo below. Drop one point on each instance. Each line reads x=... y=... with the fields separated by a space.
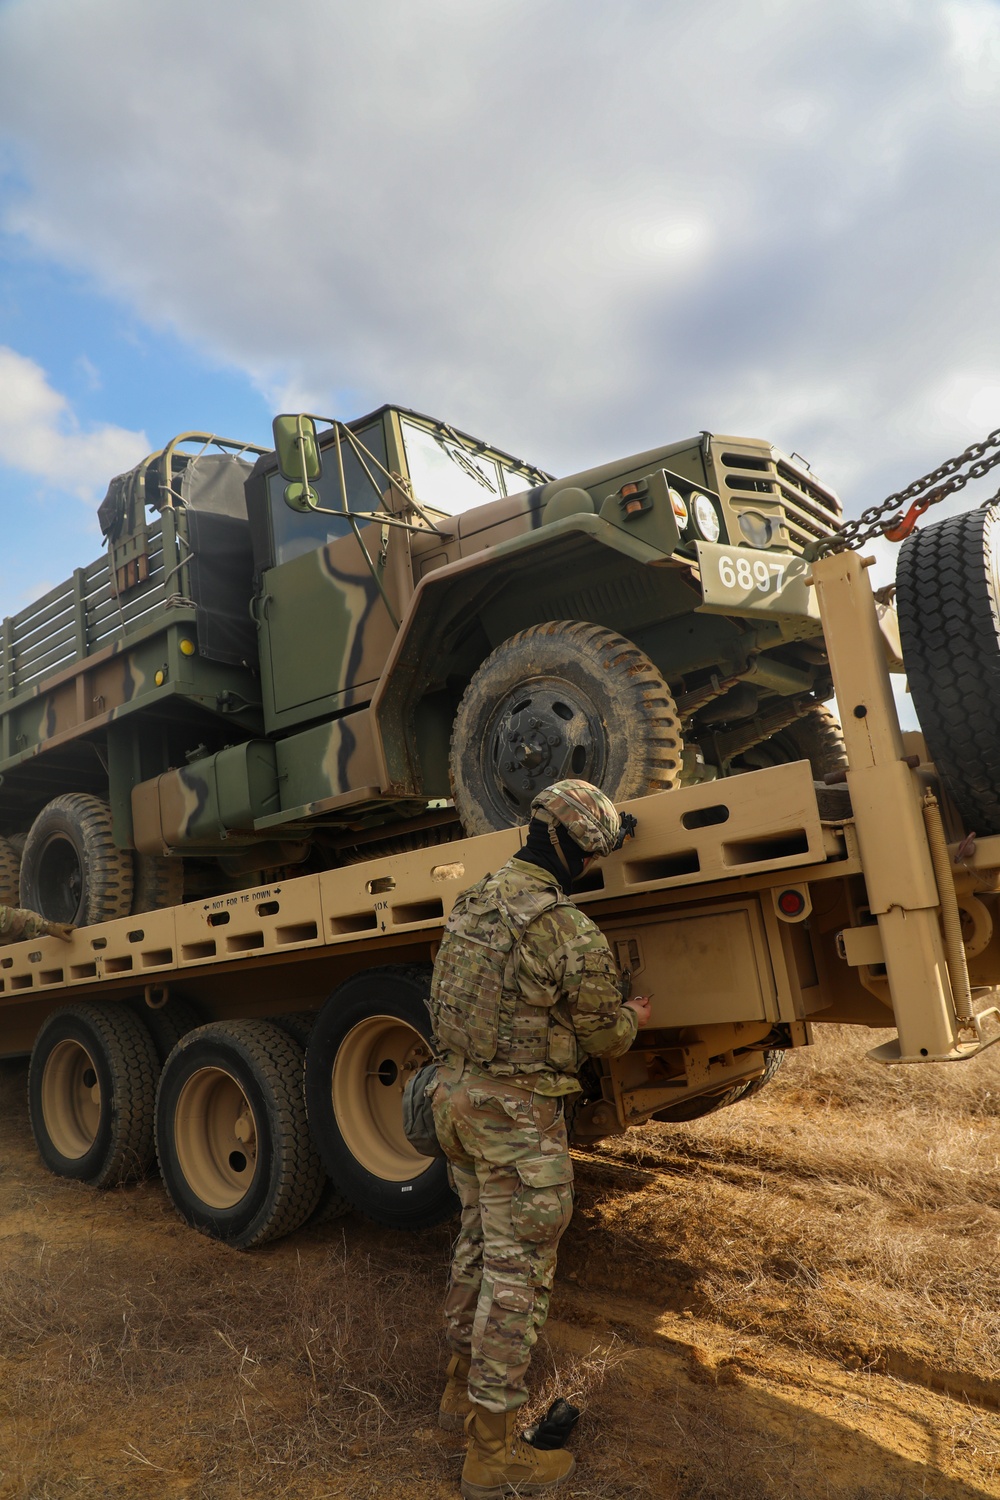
x=898 y=528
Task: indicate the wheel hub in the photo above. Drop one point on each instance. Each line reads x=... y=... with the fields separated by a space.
x=543 y=732
x=215 y=1136
x=371 y=1070
x=71 y=1099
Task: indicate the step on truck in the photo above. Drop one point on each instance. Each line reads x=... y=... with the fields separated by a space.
x=256 y=1042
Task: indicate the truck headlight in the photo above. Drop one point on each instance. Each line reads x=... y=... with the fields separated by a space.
x=679 y=507
x=706 y=518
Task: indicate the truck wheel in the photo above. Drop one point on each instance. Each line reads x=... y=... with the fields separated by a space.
x=231 y=1133
x=157 y=882
x=91 y=1088
x=817 y=737
x=948 y=599
x=370 y=1036
x=71 y=870
x=10 y=874
x=561 y=699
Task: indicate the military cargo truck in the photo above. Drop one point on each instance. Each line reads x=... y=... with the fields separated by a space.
x=754 y=907
x=386 y=633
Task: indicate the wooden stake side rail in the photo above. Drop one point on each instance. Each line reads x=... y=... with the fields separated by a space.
x=756 y=827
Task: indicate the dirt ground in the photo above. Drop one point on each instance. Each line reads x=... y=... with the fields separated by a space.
x=795 y=1297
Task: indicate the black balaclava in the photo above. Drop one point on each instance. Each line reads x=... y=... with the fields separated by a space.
x=540 y=850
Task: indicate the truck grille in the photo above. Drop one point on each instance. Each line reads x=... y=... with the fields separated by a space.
x=809 y=510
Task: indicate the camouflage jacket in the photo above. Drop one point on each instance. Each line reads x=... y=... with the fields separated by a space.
x=17 y=924
x=525 y=985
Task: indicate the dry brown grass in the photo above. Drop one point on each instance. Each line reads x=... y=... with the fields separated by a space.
x=833 y=1244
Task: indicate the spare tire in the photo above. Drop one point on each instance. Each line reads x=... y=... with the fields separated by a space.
x=948 y=601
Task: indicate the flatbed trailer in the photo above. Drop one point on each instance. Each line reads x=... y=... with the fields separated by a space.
x=751 y=907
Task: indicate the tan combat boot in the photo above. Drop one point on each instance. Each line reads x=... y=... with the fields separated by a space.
x=455 y=1404
x=500 y=1463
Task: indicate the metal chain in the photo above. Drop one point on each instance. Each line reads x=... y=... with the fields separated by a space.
x=945 y=480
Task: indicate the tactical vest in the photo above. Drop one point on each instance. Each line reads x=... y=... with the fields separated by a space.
x=476 y=1005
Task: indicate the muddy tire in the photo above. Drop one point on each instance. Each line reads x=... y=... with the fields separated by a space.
x=71 y=870
x=707 y=1104
x=817 y=737
x=10 y=874
x=948 y=599
x=231 y=1133
x=167 y=1024
x=91 y=1091
x=370 y=1035
x=157 y=883
x=560 y=699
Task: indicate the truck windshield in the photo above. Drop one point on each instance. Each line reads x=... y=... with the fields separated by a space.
x=295 y=532
x=452 y=478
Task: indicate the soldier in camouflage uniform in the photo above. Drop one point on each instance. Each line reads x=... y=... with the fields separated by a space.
x=16 y=925
x=524 y=989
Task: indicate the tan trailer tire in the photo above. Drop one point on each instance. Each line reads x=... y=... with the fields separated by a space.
x=371 y=1034
x=299 y=1024
x=91 y=1090
x=566 y=698
x=166 y=1024
x=71 y=870
x=231 y=1135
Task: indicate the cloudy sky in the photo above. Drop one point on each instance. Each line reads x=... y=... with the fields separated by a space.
x=576 y=227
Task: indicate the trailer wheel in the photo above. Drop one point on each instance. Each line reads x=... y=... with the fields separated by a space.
x=298 y=1024
x=71 y=870
x=561 y=699
x=773 y=1059
x=158 y=882
x=167 y=1024
x=948 y=599
x=370 y=1036
x=91 y=1089
x=231 y=1133
x=817 y=737
x=707 y=1104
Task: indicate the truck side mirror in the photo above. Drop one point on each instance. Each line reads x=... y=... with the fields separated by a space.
x=298 y=458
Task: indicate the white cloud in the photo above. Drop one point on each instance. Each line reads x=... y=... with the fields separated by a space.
x=40 y=436
x=575 y=227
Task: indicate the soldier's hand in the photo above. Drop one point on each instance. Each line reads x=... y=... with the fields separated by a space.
x=640 y=1004
x=62 y=930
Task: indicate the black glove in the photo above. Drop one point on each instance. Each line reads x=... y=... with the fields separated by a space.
x=555 y=1427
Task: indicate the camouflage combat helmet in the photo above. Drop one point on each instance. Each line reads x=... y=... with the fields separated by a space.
x=588 y=816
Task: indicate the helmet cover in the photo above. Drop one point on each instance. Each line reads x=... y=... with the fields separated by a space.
x=588 y=816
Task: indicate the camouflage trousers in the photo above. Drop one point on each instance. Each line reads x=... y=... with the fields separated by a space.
x=511 y=1168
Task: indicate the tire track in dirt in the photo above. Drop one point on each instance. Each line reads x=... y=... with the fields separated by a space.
x=961 y=1383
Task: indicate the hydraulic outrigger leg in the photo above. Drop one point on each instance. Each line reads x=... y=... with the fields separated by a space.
x=929 y=997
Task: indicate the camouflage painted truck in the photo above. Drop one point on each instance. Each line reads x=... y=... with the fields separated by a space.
x=387 y=633
x=754 y=907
